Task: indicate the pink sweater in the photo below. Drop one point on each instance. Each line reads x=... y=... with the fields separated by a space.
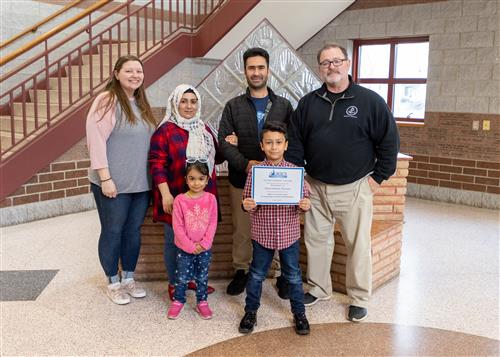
x=99 y=127
x=194 y=221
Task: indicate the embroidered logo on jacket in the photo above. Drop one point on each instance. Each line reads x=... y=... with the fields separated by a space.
x=351 y=112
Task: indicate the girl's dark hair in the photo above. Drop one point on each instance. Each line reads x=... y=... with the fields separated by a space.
x=189 y=91
x=115 y=91
x=200 y=166
x=274 y=126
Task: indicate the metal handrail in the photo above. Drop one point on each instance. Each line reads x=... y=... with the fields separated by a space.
x=52 y=32
x=35 y=27
x=35 y=103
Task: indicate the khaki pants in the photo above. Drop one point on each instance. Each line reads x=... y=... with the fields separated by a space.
x=351 y=206
x=242 y=244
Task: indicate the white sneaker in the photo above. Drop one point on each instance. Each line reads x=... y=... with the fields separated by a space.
x=129 y=287
x=115 y=293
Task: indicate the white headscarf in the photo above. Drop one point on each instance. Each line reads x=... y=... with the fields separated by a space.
x=200 y=143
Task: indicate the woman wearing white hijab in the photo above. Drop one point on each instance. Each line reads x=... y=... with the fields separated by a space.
x=181 y=137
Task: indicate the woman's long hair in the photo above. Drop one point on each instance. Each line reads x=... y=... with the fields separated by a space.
x=115 y=90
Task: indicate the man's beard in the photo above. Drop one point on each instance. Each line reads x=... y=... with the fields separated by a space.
x=260 y=86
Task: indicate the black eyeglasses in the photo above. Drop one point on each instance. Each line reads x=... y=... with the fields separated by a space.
x=337 y=62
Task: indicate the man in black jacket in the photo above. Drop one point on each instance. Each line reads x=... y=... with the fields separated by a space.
x=347 y=139
x=239 y=130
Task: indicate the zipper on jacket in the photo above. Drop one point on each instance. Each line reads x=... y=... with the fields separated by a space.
x=324 y=96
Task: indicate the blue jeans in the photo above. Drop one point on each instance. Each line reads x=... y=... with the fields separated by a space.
x=121 y=220
x=191 y=266
x=290 y=270
x=170 y=251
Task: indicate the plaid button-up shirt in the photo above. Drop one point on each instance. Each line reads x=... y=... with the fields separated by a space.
x=167 y=163
x=274 y=226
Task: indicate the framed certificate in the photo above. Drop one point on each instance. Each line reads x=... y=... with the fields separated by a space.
x=277 y=185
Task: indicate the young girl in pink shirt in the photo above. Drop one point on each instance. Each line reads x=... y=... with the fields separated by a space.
x=194 y=219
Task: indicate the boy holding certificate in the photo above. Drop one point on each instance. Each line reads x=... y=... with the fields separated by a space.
x=275 y=227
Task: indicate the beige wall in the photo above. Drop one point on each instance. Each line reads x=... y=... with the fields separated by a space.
x=463 y=87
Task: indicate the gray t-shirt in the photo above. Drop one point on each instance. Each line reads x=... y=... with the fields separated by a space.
x=127 y=151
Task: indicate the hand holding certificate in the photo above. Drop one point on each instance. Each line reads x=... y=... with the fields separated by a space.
x=277 y=185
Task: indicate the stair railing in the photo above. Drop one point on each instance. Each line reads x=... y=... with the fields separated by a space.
x=39 y=24
x=54 y=87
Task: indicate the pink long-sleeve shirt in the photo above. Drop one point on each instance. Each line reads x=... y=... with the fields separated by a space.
x=99 y=127
x=194 y=221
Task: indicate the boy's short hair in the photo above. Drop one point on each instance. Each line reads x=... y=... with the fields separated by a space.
x=276 y=127
x=254 y=52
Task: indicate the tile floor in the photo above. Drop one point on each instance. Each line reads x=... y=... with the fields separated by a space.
x=449 y=280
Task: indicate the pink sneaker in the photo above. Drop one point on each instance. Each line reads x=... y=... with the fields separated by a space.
x=204 y=310
x=175 y=310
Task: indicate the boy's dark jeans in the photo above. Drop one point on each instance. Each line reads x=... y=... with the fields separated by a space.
x=290 y=270
x=189 y=267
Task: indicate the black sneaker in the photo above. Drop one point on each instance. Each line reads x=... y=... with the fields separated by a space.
x=248 y=322
x=237 y=285
x=301 y=324
x=310 y=300
x=282 y=286
x=356 y=313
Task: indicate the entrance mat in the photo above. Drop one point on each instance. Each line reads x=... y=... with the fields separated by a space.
x=24 y=285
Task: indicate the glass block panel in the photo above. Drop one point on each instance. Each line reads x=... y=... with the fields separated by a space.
x=234 y=62
x=285 y=93
x=290 y=77
x=412 y=60
x=374 y=61
x=409 y=100
x=265 y=36
x=303 y=82
x=284 y=62
x=274 y=83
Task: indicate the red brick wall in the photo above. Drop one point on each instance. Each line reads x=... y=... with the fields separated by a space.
x=65 y=177
x=471 y=175
x=58 y=180
x=448 y=153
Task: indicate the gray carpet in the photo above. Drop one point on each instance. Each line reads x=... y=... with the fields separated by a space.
x=23 y=285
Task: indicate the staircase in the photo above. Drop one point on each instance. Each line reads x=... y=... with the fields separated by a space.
x=44 y=115
x=29 y=116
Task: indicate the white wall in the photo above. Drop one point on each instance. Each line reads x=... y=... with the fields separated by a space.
x=296 y=20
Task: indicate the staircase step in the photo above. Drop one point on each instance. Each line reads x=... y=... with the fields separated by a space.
x=41 y=109
x=5 y=139
x=96 y=70
x=96 y=61
x=64 y=86
x=41 y=96
x=113 y=48
x=5 y=123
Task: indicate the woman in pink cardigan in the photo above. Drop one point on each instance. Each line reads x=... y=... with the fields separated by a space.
x=119 y=127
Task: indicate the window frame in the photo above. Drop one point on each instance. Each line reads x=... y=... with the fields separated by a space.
x=390 y=81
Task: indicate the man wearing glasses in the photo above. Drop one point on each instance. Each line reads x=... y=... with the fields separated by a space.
x=346 y=138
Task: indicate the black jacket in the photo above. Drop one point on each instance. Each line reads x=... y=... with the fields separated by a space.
x=239 y=116
x=341 y=142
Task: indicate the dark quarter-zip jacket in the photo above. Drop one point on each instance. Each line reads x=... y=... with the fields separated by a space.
x=342 y=141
